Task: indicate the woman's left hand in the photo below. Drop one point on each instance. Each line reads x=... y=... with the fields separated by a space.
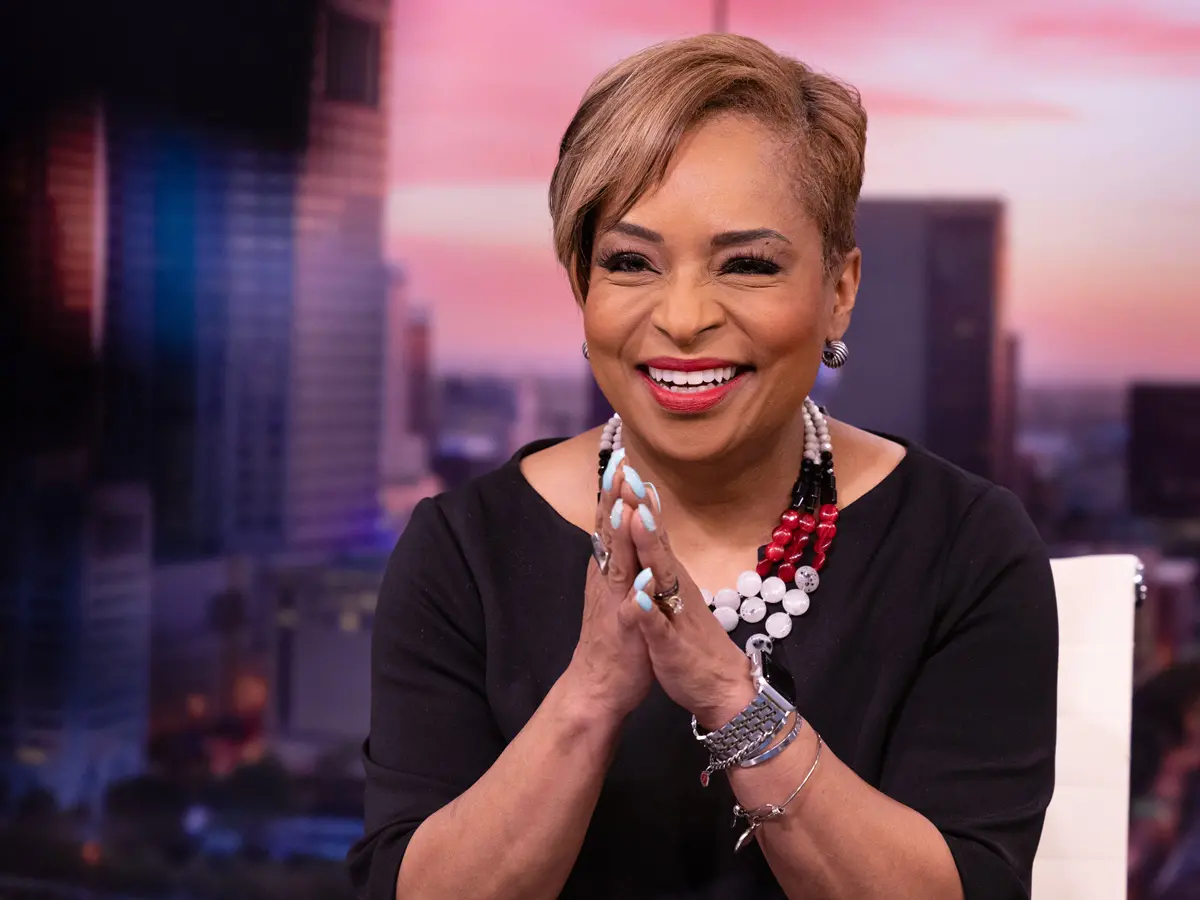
x=694 y=660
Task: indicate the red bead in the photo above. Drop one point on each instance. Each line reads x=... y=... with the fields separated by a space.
x=796 y=549
x=775 y=552
x=790 y=519
x=825 y=534
x=807 y=523
x=829 y=513
x=787 y=571
x=818 y=560
x=764 y=568
x=781 y=536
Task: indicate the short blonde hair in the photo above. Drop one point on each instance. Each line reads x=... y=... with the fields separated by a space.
x=633 y=117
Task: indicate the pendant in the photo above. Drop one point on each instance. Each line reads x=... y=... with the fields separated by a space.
x=704 y=778
x=745 y=838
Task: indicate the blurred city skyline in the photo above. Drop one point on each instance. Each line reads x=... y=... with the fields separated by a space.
x=1082 y=121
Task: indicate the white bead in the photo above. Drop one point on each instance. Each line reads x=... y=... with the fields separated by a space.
x=753 y=609
x=605 y=443
x=707 y=595
x=807 y=579
x=779 y=625
x=773 y=589
x=759 y=639
x=795 y=602
x=727 y=617
x=727 y=598
x=749 y=583
x=826 y=447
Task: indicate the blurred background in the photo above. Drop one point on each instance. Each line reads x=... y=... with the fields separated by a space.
x=271 y=271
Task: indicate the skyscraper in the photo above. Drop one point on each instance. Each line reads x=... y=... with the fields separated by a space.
x=245 y=315
x=926 y=351
x=75 y=596
x=339 y=314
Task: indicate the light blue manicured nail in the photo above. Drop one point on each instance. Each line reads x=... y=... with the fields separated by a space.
x=647 y=518
x=611 y=469
x=617 y=510
x=643 y=601
x=643 y=579
x=634 y=480
x=653 y=490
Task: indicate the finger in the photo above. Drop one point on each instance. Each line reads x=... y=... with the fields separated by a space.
x=653 y=548
x=613 y=515
x=654 y=623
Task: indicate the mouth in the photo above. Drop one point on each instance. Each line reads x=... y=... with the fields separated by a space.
x=691 y=386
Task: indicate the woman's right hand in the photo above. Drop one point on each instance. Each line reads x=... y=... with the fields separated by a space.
x=610 y=668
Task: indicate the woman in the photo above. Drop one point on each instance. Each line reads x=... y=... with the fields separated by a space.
x=552 y=694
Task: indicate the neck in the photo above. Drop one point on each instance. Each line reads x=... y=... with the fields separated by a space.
x=736 y=496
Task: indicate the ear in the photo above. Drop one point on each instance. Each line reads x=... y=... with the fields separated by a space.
x=845 y=291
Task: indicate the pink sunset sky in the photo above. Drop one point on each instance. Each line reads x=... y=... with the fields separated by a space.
x=1086 y=120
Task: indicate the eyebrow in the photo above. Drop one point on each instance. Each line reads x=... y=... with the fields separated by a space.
x=724 y=239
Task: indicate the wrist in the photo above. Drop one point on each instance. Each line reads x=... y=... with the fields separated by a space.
x=584 y=707
x=732 y=694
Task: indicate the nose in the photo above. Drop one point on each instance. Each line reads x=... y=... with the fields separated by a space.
x=685 y=311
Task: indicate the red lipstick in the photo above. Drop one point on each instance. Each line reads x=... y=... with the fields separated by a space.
x=698 y=398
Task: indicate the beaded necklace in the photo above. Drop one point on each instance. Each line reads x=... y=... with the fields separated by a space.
x=812 y=511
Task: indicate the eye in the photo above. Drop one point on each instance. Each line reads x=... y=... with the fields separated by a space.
x=749 y=264
x=624 y=261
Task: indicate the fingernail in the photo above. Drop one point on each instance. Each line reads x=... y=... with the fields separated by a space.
x=611 y=469
x=634 y=480
x=647 y=518
x=653 y=490
x=644 y=601
x=617 y=510
x=643 y=579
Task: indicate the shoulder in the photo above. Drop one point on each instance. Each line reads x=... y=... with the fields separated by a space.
x=994 y=561
x=532 y=500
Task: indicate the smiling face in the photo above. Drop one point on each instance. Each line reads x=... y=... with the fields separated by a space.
x=709 y=301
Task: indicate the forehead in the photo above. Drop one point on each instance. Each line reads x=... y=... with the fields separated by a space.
x=730 y=173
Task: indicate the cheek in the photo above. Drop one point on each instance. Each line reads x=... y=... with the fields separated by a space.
x=609 y=319
x=789 y=329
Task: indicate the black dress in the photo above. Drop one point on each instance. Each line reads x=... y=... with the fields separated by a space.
x=928 y=661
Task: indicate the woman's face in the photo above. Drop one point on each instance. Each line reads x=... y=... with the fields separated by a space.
x=708 y=303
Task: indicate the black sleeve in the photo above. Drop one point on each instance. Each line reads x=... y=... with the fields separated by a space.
x=432 y=733
x=973 y=746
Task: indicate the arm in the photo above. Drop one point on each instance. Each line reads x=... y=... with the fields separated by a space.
x=450 y=810
x=969 y=770
x=969 y=767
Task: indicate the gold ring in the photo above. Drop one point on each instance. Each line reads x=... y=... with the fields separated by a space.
x=669 y=601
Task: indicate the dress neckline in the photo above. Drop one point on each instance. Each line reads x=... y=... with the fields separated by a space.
x=869 y=498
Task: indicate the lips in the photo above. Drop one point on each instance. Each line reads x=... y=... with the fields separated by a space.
x=691 y=386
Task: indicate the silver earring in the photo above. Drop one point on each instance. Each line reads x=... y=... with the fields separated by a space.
x=585 y=351
x=835 y=354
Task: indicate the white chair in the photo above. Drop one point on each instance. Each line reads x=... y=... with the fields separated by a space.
x=1084 y=846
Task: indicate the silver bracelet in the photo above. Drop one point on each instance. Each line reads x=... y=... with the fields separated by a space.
x=758 y=759
x=763 y=814
x=747 y=732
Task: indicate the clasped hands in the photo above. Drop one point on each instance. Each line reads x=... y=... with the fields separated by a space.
x=627 y=639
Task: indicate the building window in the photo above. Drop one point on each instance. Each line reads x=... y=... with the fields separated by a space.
x=351 y=60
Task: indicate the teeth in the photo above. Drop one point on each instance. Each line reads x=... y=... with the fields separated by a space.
x=689 y=381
